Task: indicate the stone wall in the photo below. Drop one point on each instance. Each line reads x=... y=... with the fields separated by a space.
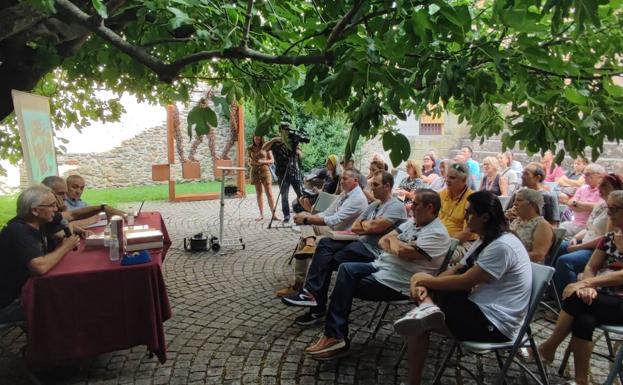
x=129 y=164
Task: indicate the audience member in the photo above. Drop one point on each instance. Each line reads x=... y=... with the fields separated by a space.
x=380 y=217
x=378 y=157
x=412 y=182
x=533 y=230
x=433 y=156
x=552 y=171
x=569 y=183
x=339 y=216
x=585 y=199
x=440 y=183
x=374 y=167
x=485 y=298
x=532 y=177
x=507 y=171
x=75 y=188
x=418 y=246
x=595 y=299
x=29 y=247
x=575 y=253
x=492 y=180
x=429 y=171
x=331 y=181
x=260 y=160
x=454 y=206
x=473 y=167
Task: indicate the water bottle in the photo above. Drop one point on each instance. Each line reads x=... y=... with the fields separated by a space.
x=107 y=235
x=113 y=249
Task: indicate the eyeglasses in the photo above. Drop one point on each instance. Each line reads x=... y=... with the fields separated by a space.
x=459 y=167
x=613 y=209
x=50 y=206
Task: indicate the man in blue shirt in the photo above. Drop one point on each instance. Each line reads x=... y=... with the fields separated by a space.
x=473 y=166
x=75 y=188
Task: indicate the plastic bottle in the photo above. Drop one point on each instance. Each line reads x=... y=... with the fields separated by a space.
x=107 y=235
x=113 y=249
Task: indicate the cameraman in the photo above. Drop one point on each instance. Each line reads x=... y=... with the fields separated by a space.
x=287 y=156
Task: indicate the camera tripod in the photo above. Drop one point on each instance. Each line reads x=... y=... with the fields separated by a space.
x=286 y=175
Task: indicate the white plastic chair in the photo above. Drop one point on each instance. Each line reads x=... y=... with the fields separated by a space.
x=541 y=277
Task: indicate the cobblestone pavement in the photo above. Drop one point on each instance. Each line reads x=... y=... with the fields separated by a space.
x=228 y=327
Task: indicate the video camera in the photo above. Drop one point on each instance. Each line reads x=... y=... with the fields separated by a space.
x=295 y=136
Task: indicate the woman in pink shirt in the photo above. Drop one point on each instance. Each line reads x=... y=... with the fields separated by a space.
x=551 y=174
x=585 y=199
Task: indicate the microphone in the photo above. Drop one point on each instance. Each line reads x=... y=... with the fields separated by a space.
x=68 y=233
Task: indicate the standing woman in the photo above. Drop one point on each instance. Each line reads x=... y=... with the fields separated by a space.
x=259 y=160
x=493 y=181
x=428 y=169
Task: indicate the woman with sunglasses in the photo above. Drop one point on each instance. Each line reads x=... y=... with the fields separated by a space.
x=484 y=298
x=596 y=299
x=575 y=253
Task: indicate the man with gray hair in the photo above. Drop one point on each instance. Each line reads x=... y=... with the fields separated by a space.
x=29 y=247
x=585 y=199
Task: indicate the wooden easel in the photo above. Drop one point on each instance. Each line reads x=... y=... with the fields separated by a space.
x=192 y=170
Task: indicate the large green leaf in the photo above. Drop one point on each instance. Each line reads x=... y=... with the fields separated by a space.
x=201 y=119
x=574 y=96
x=100 y=7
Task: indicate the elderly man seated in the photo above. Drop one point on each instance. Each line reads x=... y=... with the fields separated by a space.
x=417 y=246
x=585 y=199
x=75 y=188
x=532 y=177
x=454 y=206
x=29 y=247
x=380 y=217
x=59 y=188
x=339 y=216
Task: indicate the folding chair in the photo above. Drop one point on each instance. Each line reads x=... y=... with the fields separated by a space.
x=550 y=260
x=541 y=276
x=615 y=359
x=31 y=378
x=323 y=202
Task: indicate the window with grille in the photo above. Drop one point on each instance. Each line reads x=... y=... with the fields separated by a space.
x=430 y=125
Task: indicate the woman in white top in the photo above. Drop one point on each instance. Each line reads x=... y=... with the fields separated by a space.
x=484 y=298
x=574 y=254
x=514 y=180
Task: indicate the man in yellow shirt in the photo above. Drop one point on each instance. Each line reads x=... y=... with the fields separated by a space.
x=454 y=207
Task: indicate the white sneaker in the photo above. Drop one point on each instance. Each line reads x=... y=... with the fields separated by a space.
x=420 y=320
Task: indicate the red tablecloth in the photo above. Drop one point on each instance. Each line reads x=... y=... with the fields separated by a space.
x=88 y=305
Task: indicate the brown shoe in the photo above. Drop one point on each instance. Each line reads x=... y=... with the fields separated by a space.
x=290 y=290
x=326 y=344
x=331 y=355
x=306 y=251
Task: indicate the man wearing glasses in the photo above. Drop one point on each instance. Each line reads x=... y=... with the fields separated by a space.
x=29 y=247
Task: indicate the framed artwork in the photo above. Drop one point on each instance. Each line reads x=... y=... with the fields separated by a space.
x=35 y=131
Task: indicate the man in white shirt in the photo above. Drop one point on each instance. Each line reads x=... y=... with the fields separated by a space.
x=339 y=216
x=381 y=217
x=417 y=246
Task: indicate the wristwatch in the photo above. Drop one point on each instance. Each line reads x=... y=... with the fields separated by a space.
x=574 y=204
x=305 y=221
x=103 y=207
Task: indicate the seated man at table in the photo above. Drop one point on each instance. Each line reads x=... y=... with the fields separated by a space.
x=75 y=188
x=28 y=247
x=59 y=188
x=339 y=216
x=417 y=246
x=380 y=217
